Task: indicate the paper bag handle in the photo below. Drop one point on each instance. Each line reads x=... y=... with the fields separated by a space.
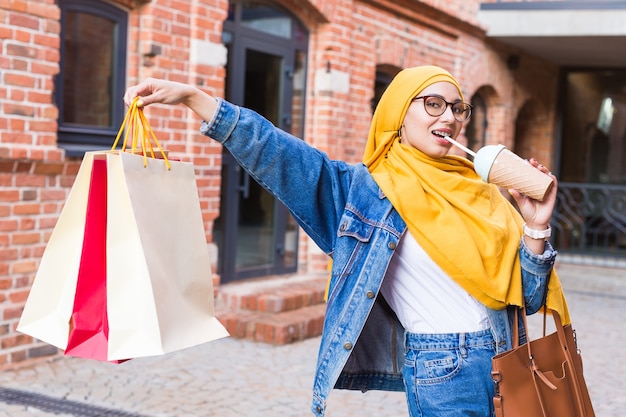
x=137 y=127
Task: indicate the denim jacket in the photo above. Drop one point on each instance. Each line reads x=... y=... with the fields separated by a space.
x=343 y=210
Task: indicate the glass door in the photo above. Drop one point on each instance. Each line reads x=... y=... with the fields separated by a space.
x=255 y=233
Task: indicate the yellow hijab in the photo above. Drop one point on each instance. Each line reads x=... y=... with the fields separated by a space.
x=464 y=224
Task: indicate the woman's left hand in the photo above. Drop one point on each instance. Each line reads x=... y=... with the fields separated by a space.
x=537 y=214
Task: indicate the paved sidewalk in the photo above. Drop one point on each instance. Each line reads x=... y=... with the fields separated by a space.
x=230 y=377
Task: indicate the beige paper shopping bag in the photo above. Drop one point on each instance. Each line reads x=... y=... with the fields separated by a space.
x=47 y=312
x=159 y=286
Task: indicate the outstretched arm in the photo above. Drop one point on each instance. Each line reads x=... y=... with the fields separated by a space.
x=313 y=187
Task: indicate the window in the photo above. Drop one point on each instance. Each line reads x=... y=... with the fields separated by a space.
x=384 y=75
x=91 y=82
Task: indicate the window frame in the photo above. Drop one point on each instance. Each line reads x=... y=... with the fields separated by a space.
x=76 y=140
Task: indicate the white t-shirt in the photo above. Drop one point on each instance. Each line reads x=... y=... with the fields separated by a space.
x=425 y=299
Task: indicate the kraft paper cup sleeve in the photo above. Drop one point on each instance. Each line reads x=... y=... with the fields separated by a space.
x=498 y=165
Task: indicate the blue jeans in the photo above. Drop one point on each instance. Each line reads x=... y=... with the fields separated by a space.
x=449 y=375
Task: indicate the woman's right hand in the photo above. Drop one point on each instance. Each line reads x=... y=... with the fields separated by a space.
x=152 y=90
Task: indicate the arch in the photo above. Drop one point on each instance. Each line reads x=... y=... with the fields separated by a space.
x=391 y=51
x=311 y=13
x=530 y=128
x=476 y=130
x=390 y=54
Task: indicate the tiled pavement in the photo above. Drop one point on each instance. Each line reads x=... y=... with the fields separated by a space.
x=232 y=377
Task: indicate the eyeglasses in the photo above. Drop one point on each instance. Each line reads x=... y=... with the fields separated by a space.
x=436 y=106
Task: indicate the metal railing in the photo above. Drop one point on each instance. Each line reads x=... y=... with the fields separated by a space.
x=590 y=219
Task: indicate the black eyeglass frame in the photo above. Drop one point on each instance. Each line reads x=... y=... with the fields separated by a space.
x=466 y=107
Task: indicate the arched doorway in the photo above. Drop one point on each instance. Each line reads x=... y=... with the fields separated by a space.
x=255 y=233
x=476 y=129
x=530 y=126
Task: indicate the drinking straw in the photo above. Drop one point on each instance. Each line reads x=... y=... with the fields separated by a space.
x=466 y=149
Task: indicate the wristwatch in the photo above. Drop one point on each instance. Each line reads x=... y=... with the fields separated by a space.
x=537 y=234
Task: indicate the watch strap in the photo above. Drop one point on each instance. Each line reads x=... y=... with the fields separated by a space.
x=537 y=234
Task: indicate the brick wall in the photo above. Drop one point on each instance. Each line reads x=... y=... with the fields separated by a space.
x=348 y=40
x=33 y=173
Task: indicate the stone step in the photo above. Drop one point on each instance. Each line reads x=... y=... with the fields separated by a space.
x=273 y=295
x=276 y=310
x=274 y=328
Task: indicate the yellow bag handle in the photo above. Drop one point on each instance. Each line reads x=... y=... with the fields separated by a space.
x=137 y=127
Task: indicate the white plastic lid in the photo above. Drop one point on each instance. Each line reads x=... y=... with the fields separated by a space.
x=484 y=159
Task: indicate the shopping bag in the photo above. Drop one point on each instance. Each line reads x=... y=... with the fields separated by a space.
x=543 y=377
x=155 y=227
x=157 y=285
x=89 y=326
x=48 y=309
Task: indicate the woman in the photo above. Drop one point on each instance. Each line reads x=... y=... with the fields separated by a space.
x=427 y=260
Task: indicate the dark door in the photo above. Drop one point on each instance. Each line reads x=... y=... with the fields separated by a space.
x=255 y=233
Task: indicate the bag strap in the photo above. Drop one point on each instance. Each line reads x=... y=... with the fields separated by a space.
x=536 y=372
x=570 y=363
x=515 y=329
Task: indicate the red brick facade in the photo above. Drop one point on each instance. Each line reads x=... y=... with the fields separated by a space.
x=353 y=37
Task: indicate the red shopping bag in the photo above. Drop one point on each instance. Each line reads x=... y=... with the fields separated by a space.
x=89 y=325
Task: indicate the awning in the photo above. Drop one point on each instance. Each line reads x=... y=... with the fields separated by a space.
x=568 y=33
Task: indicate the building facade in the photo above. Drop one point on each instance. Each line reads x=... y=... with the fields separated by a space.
x=315 y=68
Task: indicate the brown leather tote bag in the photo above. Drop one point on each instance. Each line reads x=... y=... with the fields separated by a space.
x=543 y=377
